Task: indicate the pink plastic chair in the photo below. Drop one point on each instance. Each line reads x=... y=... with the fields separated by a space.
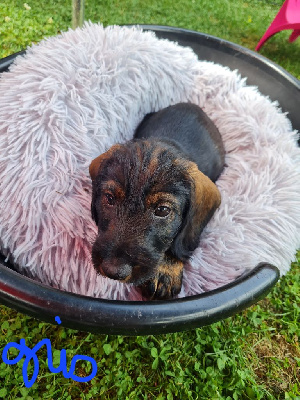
x=288 y=17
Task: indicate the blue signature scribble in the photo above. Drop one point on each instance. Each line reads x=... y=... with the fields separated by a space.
x=30 y=354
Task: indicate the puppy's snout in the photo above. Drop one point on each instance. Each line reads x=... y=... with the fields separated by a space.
x=133 y=252
x=112 y=269
x=128 y=261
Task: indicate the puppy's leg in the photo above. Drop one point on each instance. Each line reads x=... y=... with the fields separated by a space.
x=167 y=282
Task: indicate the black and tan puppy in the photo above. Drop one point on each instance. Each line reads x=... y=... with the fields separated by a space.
x=153 y=196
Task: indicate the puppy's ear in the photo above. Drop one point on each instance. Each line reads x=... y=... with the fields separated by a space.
x=95 y=165
x=205 y=198
x=94 y=170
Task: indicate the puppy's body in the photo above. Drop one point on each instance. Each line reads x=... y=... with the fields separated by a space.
x=151 y=202
x=191 y=131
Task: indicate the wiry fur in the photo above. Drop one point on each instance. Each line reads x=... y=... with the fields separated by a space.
x=133 y=182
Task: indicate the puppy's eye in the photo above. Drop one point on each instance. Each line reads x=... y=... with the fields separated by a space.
x=109 y=199
x=162 y=211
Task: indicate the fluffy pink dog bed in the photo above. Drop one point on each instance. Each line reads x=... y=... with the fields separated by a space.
x=71 y=97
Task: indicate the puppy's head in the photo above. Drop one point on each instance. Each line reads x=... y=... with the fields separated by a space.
x=148 y=202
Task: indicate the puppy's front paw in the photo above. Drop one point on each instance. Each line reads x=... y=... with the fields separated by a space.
x=168 y=286
x=167 y=283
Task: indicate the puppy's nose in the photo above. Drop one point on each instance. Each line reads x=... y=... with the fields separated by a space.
x=114 y=270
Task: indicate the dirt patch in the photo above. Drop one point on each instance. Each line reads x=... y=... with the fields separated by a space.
x=276 y=363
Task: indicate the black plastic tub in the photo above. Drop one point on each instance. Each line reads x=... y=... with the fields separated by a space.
x=141 y=318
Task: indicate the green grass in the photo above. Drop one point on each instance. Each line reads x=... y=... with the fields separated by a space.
x=253 y=355
x=242 y=22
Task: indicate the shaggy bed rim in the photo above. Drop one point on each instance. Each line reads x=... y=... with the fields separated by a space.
x=71 y=97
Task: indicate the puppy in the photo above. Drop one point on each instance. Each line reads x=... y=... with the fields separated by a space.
x=153 y=196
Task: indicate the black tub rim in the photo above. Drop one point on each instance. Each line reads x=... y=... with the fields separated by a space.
x=133 y=318
x=217 y=42
x=279 y=80
x=142 y=318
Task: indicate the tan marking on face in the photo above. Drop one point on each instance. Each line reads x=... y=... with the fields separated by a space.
x=114 y=188
x=162 y=198
x=96 y=163
x=154 y=160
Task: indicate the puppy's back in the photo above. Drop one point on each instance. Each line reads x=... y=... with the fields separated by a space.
x=187 y=127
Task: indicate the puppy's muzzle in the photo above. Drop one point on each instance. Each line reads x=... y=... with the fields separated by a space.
x=114 y=269
x=127 y=262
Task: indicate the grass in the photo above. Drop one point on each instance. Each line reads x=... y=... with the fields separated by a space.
x=243 y=22
x=253 y=355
